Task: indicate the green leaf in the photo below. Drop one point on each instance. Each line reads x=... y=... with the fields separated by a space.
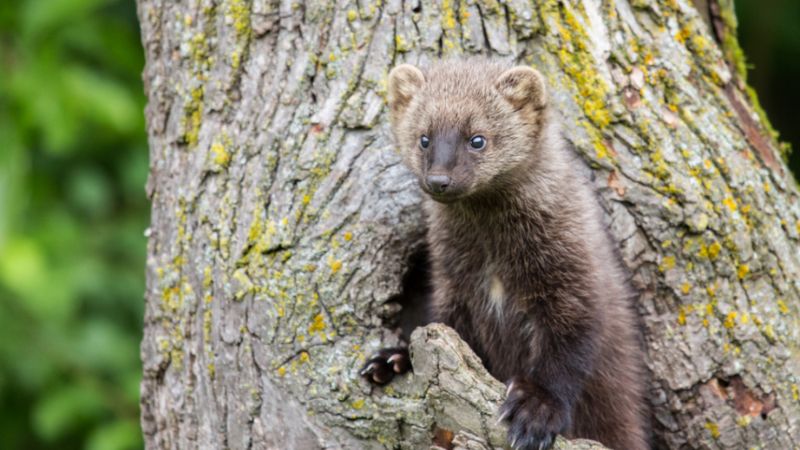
x=102 y=347
x=65 y=409
x=39 y=16
x=116 y=436
x=103 y=100
x=39 y=290
x=90 y=192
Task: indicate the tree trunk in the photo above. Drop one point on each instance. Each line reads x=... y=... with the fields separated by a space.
x=283 y=222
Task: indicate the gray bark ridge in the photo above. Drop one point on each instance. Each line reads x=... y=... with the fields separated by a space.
x=282 y=219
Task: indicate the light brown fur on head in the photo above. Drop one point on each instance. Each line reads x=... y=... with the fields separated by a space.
x=466 y=99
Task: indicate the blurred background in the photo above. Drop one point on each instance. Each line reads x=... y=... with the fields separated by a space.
x=73 y=163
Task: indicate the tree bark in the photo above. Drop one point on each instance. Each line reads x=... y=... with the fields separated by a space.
x=283 y=222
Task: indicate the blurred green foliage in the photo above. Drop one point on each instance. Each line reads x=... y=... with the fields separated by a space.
x=769 y=33
x=73 y=163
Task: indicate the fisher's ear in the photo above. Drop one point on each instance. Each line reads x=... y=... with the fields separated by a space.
x=522 y=86
x=405 y=81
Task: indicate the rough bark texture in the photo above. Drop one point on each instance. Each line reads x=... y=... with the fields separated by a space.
x=282 y=222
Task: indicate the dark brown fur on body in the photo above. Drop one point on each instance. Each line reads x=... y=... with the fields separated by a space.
x=522 y=266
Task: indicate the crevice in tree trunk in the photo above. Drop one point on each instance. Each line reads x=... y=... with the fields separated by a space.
x=414 y=297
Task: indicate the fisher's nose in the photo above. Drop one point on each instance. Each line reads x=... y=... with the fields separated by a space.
x=438 y=183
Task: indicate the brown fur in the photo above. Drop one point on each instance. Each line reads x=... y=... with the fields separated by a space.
x=522 y=266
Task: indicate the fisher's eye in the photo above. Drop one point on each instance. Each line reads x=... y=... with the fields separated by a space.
x=477 y=142
x=424 y=142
